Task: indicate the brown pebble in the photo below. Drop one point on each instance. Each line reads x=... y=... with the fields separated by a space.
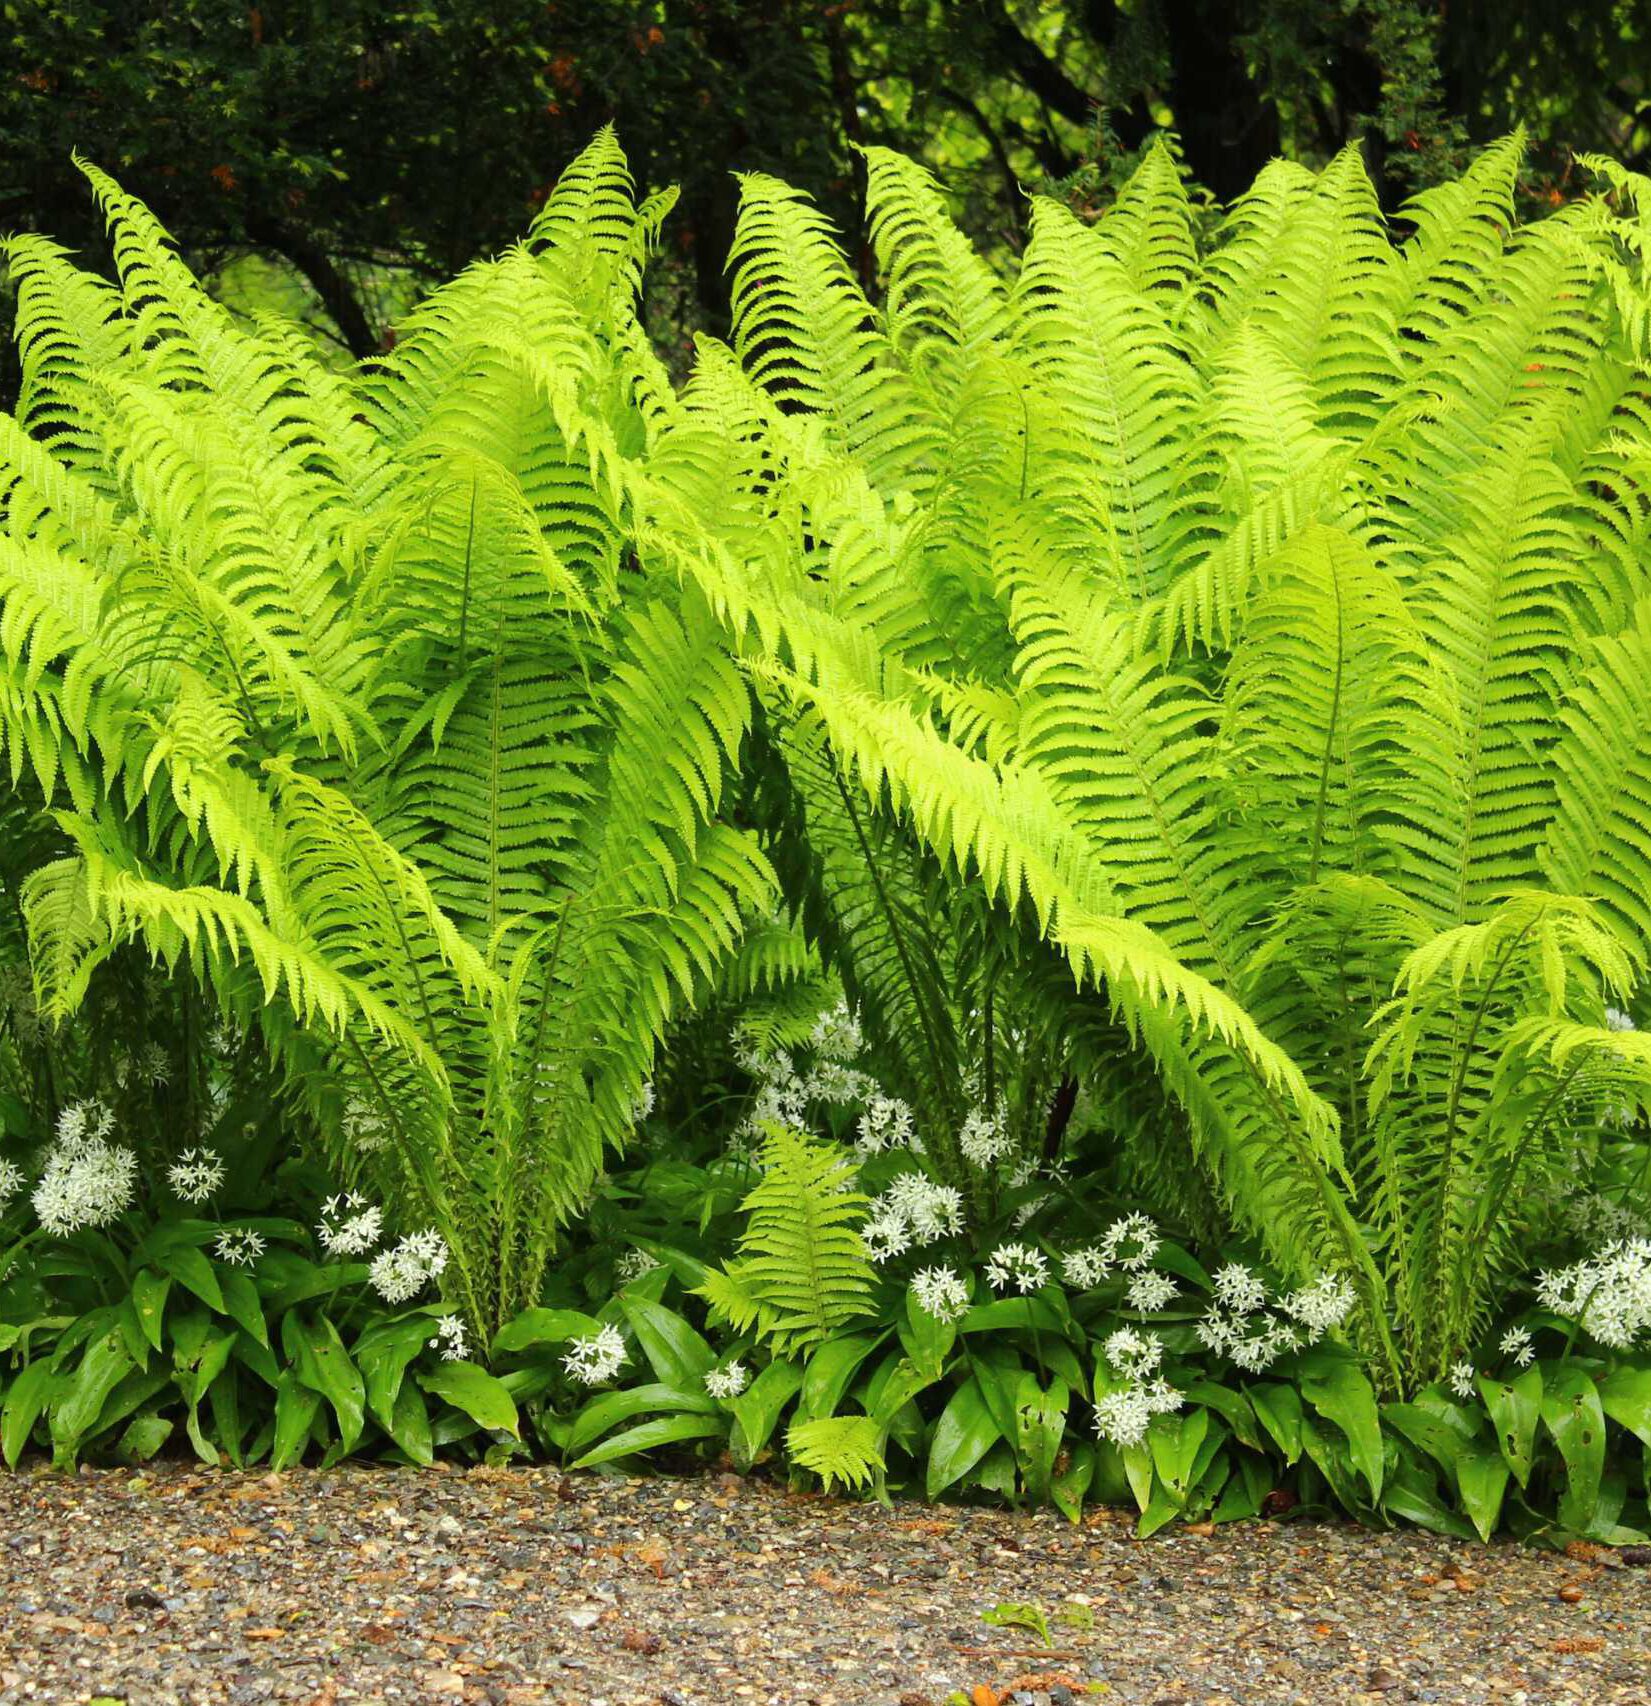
x=1571 y=1594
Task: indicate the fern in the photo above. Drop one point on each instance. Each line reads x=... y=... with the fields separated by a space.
x=848 y=1449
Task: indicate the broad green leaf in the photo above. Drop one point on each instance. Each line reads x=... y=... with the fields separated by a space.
x=144 y=1436
x=382 y=1355
x=543 y=1327
x=1515 y=1406
x=757 y=1409
x=149 y=1291
x=928 y=1340
x=1040 y=1426
x=1175 y=1442
x=80 y=1399
x=324 y=1364
x=1341 y=1392
x=1481 y=1479
x=1573 y=1414
x=1625 y=1396
x=829 y=1371
x=610 y=1408
x=410 y=1425
x=296 y=1407
x=962 y=1436
x=193 y=1271
x=1068 y=1488
x=477 y=1393
x=677 y=1354
x=1279 y=1408
x=26 y=1397
x=663 y=1430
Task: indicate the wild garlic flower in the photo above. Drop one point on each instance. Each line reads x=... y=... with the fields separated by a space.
x=12 y=1180
x=1131 y=1242
x=984 y=1139
x=594 y=1360
x=836 y=1034
x=1133 y=1355
x=1150 y=1291
x=1609 y=1295
x=885 y=1123
x=87 y=1121
x=1516 y=1343
x=196 y=1175
x=1617 y=1020
x=1461 y=1381
x=941 y=1292
x=1084 y=1268
x=152 y=1067
x=632 y=1265
x=450 y=1339
x=642 y=1103
x=832 y=1081
x=240 y=1246
x=1326 y=1303
x=933 y=1210
x=349 y=1225
x=885 y=1235
x=728 y=1381
x=1124 y=1416
x=1239 y=1288
x=367 y=1127
x=1254 y=1352
x=86 y=1181
x=399 y=1275
x=1017 y=1265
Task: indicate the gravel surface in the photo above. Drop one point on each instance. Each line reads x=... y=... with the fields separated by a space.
x=527 y=1585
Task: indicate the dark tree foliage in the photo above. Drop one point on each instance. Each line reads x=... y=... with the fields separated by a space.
x=374 y=147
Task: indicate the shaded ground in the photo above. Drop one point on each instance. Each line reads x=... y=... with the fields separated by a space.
x=525 y=1585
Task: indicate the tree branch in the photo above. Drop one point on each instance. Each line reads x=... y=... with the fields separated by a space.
x=337 y=295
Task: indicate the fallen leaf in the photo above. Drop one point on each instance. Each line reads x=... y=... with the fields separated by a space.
x=1571 y=1594
x=269 y=1634
x=640 y=1641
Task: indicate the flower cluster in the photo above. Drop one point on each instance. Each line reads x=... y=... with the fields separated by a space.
x=984 y=1139
x=1609 y=1294
x=885 y=1123
x=196 y=1175
x=87 y=1181
x=1252 y=1331
x=1017 y=1265
x=450 y=1339
x=1516 y=1343
x=1123 y=1416
x=349 y=1225
x=1150 y=1291
x=941 y=1292
x=399 y=1275
x=12 y=1180
x=595 y=1360
x=911 y=1212
x=632 y=1265
x=367 y=1128
x=728 y=1381
x=1461 y=1379
x=240 y=1246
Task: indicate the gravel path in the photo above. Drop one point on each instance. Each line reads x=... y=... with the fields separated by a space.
x=525 y=1585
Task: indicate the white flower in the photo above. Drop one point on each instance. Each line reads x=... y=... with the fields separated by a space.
x=450 y=1337
x=836 y=1034
x=1123 y=1416
x=1609 y=1294
x=885 y=1123
x=1133 y=1355
x=86 y=1182
x=1162 y=1397
x=1323 y=1305
x=151 y=1066
x=642 y=1103
x=596 y=1359
x=399 y=1275
x=1219 y=1333
x=87 y=1121
x=1131 y=1242
x=1461 y=1379
x=1017 y=1265
x=934 y=1211
x=1239 y=1288
x=1617 y=1020
x=196 y=1175
x=1255 y=1352
x=1084 y=1268
x=240 y=1246
x=1516 y=1343
x=12 y=1180
x=728 y=1381
x=632 y=1266
x=1150 y=1291
x=984 y=1139
x=349 y=1225
x=885 y=1235
x=367 y=1128
x=940 y=1292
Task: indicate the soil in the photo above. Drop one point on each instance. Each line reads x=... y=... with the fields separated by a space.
x=173 y=1584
